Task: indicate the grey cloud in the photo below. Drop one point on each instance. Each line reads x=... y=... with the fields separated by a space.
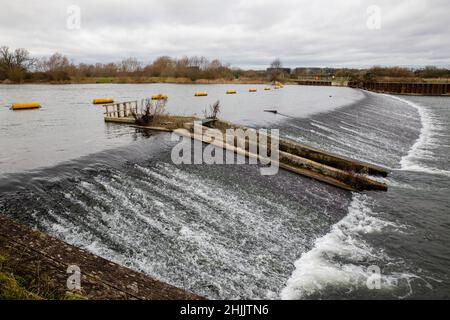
x=244 y=33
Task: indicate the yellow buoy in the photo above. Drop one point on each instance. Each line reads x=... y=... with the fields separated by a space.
x=159 y=96
x=267 y=89
x=231 y=91
x=200 y=94
x=24 y=106
x=102 y=101
x=252 y=90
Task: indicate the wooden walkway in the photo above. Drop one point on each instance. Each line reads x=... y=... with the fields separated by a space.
x=336 y=170
x=324 y=166
x=122 y=109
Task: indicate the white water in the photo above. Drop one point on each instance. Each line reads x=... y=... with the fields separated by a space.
x=318 y=269
x=422 y=147
x=139 y=208
x=341 y=258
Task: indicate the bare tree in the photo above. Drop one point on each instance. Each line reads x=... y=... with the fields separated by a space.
x=190 y=67
x=276 y=64
x=150 y=111
x=215 y=64
x=57 y=67
x=57 y=62
x=130 y=65
x=275 y=69
x=162 y=66
x=14 y=64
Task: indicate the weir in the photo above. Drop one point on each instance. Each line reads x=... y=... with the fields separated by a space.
x=333 y=169
x=40 y=256
x=314 y=82
x=400 y=88
x=404 y=88
x=336 y=170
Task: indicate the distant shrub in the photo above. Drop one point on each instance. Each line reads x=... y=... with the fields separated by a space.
x=150 y=111
x=213 y=111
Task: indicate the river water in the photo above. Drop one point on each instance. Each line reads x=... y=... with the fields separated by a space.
x=225 y=231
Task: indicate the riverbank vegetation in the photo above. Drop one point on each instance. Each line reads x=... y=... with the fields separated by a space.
x=213 y=111
x=18 y=66
x=393 y=74
x=151 y=112
x=18 y=284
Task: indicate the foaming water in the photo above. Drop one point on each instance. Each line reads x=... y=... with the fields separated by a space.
x=423 y=147
x=341 y=262
x=226 y=232
x=203 y=228
x=421 y=168
x=341 y=259
x=368 y=130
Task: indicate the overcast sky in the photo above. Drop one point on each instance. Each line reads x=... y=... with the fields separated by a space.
x=243 y=33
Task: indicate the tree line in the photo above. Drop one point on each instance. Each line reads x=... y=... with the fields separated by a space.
x=378 y=73
x=18 y=66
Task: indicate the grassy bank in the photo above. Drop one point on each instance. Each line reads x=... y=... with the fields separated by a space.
x=17 y=284
x=34 y=265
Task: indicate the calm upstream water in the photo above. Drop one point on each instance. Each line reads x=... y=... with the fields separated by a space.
x=225 y=231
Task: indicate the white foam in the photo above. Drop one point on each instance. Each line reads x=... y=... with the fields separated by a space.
x=392 y=182
x=422 y=168
x=319 y=269
x=426 y=141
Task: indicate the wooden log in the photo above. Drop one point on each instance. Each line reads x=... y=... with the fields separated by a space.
x=348 y=180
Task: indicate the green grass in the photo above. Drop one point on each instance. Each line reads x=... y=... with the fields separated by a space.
x=105 y=80
x=15 y=285
x=12 y=289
